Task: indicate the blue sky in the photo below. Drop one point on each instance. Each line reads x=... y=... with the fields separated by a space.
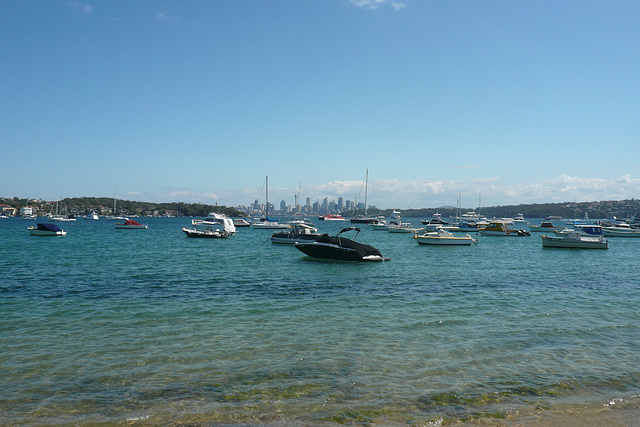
x=198 y=101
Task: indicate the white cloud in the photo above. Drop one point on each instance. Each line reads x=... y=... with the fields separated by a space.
x=395 y=193
x=164 y=16
x=84 y=8
x=374 y=4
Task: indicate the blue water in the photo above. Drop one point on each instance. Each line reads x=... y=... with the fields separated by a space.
x=150 y=327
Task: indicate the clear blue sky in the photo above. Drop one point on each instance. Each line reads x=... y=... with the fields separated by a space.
x=198 y=101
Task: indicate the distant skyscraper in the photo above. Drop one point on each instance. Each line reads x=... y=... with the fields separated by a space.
x=340 y=203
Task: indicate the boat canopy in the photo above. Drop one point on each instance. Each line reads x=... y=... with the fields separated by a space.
x=45 y=226
x=131 y=222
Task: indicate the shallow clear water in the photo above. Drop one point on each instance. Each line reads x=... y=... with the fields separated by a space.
x=148 y=326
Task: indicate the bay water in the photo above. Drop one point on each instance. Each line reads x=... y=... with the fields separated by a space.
x=148 y=327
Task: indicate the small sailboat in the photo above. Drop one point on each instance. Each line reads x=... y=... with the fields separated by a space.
x=266 y=222
x=364 y=219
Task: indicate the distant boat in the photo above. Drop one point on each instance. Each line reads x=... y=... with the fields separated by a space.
x=394 y=219
x=621 y=230
x=46 y=229
x=296 y=233
x=331 y=217
x=574 y=239
x=544 y=226
x=266 y=222
x=444 y=237
x=205 y=232
x=131 y=224
x=436 y=219
x=340 y=248
x=364 y=219
x=241 y=223
x=113 y=216
x=214 y=222
x=501 y=228
x=93 y=216
x=61 y=218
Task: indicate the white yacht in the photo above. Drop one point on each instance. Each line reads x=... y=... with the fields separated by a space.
x=216 y=222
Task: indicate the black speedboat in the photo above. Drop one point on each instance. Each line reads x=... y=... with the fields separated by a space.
x=340 y=248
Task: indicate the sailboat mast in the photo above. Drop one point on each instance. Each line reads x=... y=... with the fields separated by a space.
x=366 y=186
x=267 y=196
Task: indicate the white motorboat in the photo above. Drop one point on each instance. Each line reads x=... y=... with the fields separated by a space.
x=299 y=232
x=206 y=231
x=46 y=229
x=269 y=225
x=394 y=220
x=574 y=239
x=241 y=223
x=93 y=216
x=403 y=228
x=444 y=237
x=61 y=218
x=436 y=220
x=583 y=229
x=130 y=225
x=216 y=222
x=519 y=219
x=621 y=230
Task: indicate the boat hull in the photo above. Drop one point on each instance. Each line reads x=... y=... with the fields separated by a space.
x=35 y=232
x=334 y=252
x=620 y=233
x=458 y=241
x=215 y=234
x=584 y=243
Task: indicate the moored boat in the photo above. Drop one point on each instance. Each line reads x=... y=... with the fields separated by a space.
x=501 y=228
x=296 y=233
x=340 y=248
x=546 y=226
x=93 y=216
x=213 y=222
x=331 y=217
x=574 y=239
x=436 y=219
x=444 y=237
x=621 y=230
x=241 y=223
x=46 y=229
x=130 y=224
x=206 y=231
